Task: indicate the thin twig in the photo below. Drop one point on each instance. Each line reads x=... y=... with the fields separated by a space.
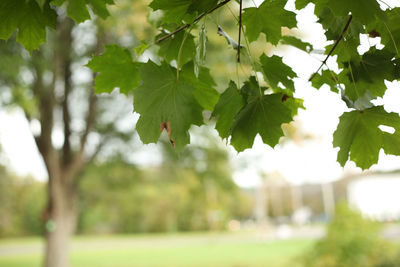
x=248 y=52
x=333 y=47
x=240 y=31
x=194 y=22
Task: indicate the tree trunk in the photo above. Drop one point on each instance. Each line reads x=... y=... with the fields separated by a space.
x=61 y=221
x=61 y=213
x=63 y=165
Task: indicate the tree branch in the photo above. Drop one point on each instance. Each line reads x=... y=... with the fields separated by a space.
x=65 y=51
x=98 y=149
x=194 y=22
x=333 y=47
x=46 y=101
x=79 y=160
x=240 y=31
x=89 y=120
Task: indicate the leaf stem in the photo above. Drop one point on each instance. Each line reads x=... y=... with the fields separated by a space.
x=333 y=47
x=240 y=31
x=248 y=53
x=194 y=22
x=180 y=51
x=355 y=86
x=180 y=54
x=391 y=36
x=383 y=2
x=252 y=63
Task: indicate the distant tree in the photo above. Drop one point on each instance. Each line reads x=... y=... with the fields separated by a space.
x=192 y=192
x=71 y=126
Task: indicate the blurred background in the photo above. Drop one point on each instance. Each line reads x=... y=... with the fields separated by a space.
x=144 y=205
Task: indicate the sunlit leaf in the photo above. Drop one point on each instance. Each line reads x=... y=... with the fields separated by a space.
x=116 y=69
x=359 y=138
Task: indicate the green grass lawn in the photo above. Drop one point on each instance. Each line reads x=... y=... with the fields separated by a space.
x=191 y=249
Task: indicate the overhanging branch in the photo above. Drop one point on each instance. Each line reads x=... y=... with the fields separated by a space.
x=89 y=120
x=181 y=28
x=333 y=47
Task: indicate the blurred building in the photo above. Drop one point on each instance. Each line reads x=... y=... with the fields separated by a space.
x=376 y=196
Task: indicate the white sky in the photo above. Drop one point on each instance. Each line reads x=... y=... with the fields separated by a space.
x=22 y=156
x=313 y=160
x=376 y=196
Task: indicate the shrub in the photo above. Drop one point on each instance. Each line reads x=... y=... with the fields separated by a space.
x=352 y=241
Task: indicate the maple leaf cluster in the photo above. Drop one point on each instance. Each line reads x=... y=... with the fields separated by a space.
x=173 y=94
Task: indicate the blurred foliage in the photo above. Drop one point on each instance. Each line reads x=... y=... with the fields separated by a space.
x=133 y=20
x=21 y=202
x=188 y=193
x=192 y=192
x=352 y=241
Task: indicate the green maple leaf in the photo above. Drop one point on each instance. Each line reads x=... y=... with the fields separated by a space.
x=139 y=50
x=99 y=7
x=363 y=11
x=389 y=31
x=29 y=19
x=205 y=93
x=275 y=72
x=169 y=49
x=78 y=9
x=262 y=115
x=178 y=10
x=369 y=74
x=244 y=113
x=391 y=143
x=229 y=104
x=358 y=136
x=300 y=4
x=161 y=98
x=377 y=64
x=295 y=42
x=174 y=9
x=116 y=69
x=346 y=51
x=334 y=25
x=294 y=104
x=201 y=6
x=327 y=77
x=268 y=18
x=251 y=89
